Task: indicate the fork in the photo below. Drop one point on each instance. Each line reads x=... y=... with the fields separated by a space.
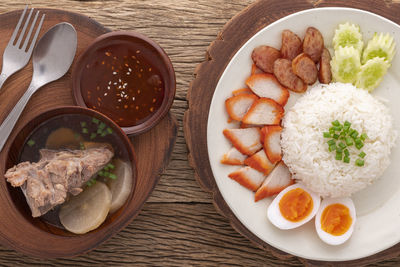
x=15 y=56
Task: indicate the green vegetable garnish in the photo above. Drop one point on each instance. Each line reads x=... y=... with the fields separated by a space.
x=112 y=176
x=359 y=146
x=349 y=137
x=31 y=143
x=83 y=124
x=342 y=145
x=94 y=120
x=93 y=135
x=111 y=166
x=102 y=125
x=109 y=130
x=327 y=135
x=85 y=130
x=103 y=134
x=332 y=148
x=359 y=162
x=363 y=136
x=349 y=142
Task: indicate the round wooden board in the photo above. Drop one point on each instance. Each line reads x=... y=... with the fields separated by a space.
x=234 y=34
x=153 y=148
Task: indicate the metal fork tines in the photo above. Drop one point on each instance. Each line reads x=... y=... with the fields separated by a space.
x=15 y=56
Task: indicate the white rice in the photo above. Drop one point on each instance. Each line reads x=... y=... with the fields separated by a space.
x=305 y=150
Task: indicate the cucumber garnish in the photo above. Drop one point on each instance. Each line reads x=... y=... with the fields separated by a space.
x=345 y=64
x=371 y=73
x=348 y=35
x=381 y=45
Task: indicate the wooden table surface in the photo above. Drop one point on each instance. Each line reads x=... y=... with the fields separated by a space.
x=178 y=225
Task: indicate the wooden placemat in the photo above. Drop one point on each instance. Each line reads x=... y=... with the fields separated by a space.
x=234 y=34
x=153 y=148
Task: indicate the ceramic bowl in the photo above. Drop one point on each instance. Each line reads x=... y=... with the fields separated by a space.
x=152 y=53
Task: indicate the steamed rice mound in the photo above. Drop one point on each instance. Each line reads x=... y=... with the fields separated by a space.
x=305 y=150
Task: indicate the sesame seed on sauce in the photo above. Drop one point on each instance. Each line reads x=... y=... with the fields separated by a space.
x=123 y=84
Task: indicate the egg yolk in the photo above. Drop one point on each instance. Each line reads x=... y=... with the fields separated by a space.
x=336 y=219
x=296 y=205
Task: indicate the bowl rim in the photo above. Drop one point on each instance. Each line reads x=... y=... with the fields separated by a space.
x=93 y=238
x=169 y=87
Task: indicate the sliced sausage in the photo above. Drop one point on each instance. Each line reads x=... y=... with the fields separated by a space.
x=284 y=73
x=325 y=74
x=313 y=43
x=291 y=45
x=264 y=57
x=304 y=67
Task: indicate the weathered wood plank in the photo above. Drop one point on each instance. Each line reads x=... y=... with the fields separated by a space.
x=178 y=226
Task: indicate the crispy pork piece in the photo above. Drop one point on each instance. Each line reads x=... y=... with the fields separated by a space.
x=264 y=57
x=266 y=85
x=233 y=157
x=325 y=73
x=46 y=183
x=237 y=106
x=313 y=43
x=291 y=45
x=264 y=111
x=260 y=162
x=271 y=135
x=284 y=73
x=276 y=181
x=242 y=91
x=247 y=140
x=304 y=67
x=248 y=177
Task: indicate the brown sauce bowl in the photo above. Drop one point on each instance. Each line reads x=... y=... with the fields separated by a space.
x=33 y=236
x=155 y=54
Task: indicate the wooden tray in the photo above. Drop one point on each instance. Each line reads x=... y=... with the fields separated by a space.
x=153 y=148
x=234 y=34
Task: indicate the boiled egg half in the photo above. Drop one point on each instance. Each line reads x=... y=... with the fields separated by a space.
x=293 y=206
x=335 y=220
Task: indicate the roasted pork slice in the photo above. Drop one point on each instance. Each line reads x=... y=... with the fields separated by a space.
x=276 y=181
x=233 y=157
x=242 y=91
x=264 y=111
x=260 y=162
x=247 y=140
x=237 y=106
x=248 y=177
x=266 y=85
x=271 y=139
x=47 y=183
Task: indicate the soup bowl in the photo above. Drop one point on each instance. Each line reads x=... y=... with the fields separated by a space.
x=34 y=236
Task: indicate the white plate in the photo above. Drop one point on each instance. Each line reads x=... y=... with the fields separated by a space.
x=378 y=206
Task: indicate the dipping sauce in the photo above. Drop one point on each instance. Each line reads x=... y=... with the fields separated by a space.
x=120 y=82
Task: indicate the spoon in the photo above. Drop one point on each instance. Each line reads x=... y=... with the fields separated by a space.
x=52 y=57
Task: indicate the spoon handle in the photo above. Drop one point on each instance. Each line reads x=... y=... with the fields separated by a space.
x=8 y=124
x=3 y=78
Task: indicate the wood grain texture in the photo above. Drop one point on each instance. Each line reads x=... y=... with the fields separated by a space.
x=178 y=225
